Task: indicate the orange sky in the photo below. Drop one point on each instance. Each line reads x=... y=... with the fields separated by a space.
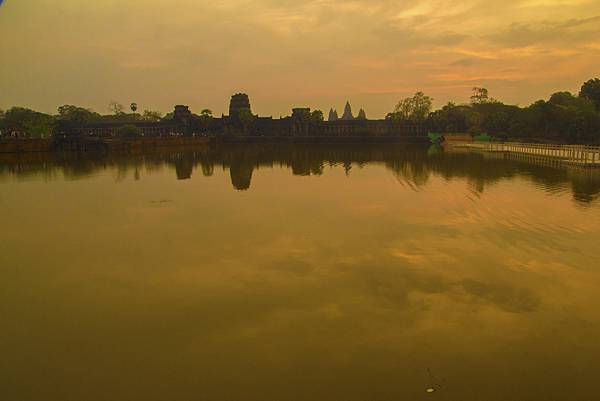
x=283 y=53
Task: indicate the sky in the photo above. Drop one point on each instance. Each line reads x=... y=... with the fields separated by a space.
x=284 y=54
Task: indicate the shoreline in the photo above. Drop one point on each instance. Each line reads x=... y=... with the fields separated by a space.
x=53 y=145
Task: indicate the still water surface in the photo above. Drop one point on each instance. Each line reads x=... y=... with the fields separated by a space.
x=298 y=273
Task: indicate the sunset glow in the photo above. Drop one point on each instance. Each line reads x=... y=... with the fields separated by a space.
x=316 y=53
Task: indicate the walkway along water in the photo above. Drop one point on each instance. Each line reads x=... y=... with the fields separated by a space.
x=580 y=155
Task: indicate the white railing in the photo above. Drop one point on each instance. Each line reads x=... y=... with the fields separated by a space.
x=577 y=154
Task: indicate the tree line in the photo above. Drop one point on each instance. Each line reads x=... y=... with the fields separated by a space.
x=563 y=118
x=30 y=123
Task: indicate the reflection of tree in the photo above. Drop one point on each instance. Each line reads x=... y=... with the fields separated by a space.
x=411 y=166
x=307 y=167
x=412 y=169
x=585 y=185
x=208 y=169
x=300 y=167
x=414 y=175
x=347 y=167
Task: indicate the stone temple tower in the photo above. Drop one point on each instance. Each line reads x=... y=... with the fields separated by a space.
x=347 y=112
x=333 y=115
x=239 y=101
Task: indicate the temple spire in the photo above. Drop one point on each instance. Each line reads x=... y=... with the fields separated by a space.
x=348 y=112
x=333 y=115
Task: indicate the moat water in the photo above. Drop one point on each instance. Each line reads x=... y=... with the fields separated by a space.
x=298 y=273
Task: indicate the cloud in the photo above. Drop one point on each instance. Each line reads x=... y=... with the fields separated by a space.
x=555 y=32
x=318 y=53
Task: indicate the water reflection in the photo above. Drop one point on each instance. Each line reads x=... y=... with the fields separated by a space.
x=297 y=273
x=412 y=167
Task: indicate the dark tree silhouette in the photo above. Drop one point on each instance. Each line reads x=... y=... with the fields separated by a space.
x=591 y=91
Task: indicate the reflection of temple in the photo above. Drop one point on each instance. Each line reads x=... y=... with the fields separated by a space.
x=241 y=121
x=241 y=161
x=412 y=167
x=241 y=174
x=184 y=165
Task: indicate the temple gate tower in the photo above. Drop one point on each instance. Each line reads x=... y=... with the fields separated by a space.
x=183 y=116
x=239 y=101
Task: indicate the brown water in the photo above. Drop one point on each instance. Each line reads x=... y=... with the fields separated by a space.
x=298 y=273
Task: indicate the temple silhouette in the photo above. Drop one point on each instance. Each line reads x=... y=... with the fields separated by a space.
x=241 y=122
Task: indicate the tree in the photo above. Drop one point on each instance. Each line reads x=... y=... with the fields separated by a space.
x=479 y=96
x=116 y=108
x=133 y=107
x=151 y=115
x=496 y=123
x=591 y=90
x=562 y=98
x=129 y=132
x=206 y=117
x=316 y=117
x=450 y=119
x=567 y=99
x=28 y=122
x=474 y=120
x=302 y=114
x=415 y=108
x=76 y=115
